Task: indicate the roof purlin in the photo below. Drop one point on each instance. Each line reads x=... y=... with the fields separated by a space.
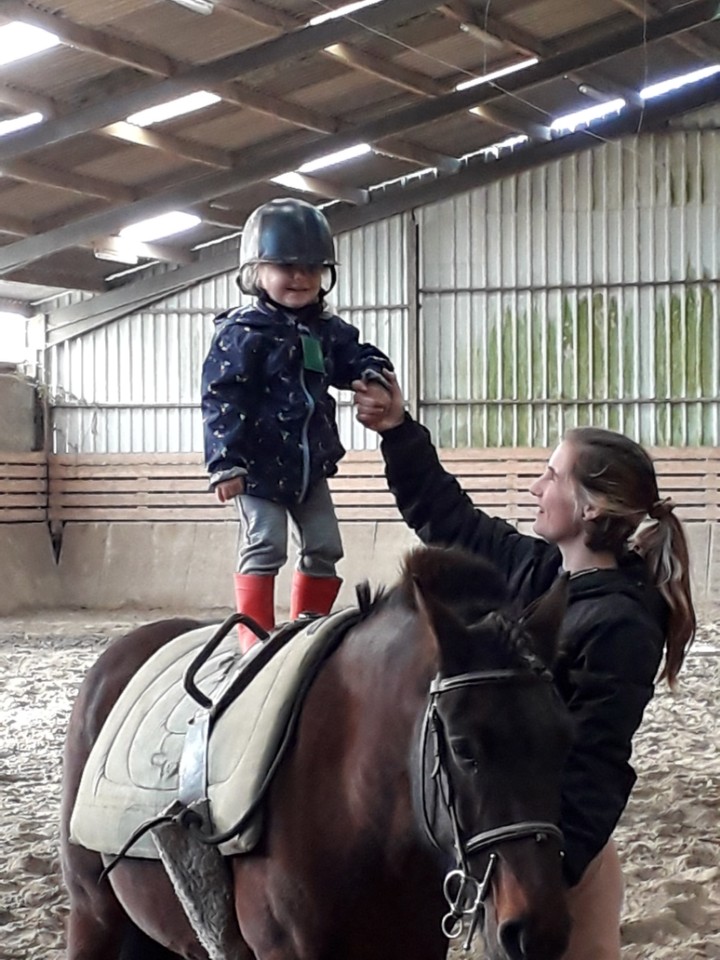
x=265 y=164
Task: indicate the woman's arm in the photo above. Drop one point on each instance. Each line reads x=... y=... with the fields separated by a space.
x=436 y=507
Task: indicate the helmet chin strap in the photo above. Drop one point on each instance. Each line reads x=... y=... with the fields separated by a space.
x=330 y=267
x=246 y=280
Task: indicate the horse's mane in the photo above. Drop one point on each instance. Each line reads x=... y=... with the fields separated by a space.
x=470 y=586
x=467 y=585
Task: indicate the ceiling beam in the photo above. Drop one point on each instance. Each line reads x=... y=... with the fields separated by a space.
x=394 y=73
x=27 y=102
x=48 y=275
x=73 y=34
x=19 y=226
x=79 y=318
x=424 y=86
x=479 y=172
x=27 y=172
x=219 y=215
x=117 y=248
x=415 y=153
x=510 y=120
x=288 y=46
x=529 y=45
x=21 y=307
x=150 y=60
x=241 y=95
x=325 y=188
x=695 y=45
x=169 y=143
x=262 y=14
x=266 y=163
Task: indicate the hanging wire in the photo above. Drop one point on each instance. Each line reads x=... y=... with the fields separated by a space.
x=514 y=95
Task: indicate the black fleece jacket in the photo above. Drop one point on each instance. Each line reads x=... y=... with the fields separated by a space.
x=612 y=642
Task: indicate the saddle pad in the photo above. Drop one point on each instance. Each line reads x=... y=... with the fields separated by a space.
x=131 y=775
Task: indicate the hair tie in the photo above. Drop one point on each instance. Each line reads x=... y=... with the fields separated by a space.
x=661 y=509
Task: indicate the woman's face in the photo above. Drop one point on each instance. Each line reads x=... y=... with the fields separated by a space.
x=559 y=513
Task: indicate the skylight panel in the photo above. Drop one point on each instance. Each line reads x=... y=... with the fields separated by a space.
x=20 y=40
x=293 y=181
x=341 y=11
x=19 y=123
x=675 y=83
x=496 y=149
x=495 y=74
x=164 y=225
x=173 y=108
x=332 y=159
x=582 y=118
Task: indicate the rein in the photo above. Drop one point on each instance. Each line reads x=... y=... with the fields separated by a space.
x=465 y=894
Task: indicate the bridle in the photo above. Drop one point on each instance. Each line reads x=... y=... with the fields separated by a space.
x=465 y=894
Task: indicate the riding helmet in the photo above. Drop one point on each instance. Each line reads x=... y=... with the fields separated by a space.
x=285 y=231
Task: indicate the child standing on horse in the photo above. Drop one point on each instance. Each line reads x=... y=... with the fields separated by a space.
x=271 y=437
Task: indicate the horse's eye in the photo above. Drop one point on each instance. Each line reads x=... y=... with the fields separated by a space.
x=464 y=749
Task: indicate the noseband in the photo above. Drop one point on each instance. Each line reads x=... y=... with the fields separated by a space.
x=464 y=893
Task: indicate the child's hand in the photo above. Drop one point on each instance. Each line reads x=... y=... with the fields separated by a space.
x=227 y=489
x=377 y=408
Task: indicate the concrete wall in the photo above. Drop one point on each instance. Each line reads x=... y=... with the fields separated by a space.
x=18 y=403
x=176 y=567
x=188 y=567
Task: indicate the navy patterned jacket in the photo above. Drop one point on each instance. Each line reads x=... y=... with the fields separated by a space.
x=268 y=417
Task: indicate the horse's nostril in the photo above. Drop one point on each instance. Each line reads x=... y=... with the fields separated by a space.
x=512 y=939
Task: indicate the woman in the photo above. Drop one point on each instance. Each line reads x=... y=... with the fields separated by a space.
x=629 y=604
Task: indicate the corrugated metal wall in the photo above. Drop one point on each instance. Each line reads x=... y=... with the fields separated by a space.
x=133 y=385
x=584 y=291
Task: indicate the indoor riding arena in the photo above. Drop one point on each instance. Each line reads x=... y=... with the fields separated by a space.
x=524 y=196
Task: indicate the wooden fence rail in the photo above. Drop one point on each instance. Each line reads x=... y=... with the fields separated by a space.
x=23 y=487
x=173 y=487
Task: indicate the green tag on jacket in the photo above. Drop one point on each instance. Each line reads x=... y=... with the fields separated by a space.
x=312 y=354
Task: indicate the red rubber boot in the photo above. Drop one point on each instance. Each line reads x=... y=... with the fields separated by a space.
x=312 y=594
x=255 y=596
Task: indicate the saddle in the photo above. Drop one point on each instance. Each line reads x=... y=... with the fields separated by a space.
x=145 y=761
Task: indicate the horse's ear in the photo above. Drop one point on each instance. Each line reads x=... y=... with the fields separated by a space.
x=543 y=618
x=440 y=619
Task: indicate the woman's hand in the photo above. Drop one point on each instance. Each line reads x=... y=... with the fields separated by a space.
x=227 y=489
x=377 y=408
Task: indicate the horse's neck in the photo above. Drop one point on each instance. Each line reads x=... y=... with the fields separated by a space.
x=386 y=664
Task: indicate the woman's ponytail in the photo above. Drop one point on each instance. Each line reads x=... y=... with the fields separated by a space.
x=663 y=545
x=618 y=476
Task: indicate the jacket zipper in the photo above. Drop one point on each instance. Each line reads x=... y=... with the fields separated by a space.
x=305 y=444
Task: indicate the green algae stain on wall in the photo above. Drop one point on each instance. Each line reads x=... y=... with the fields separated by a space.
x=676 y=352
x=597 y=347
x=493 y=382
x=582 y=359
x=508 y=375
x=692 y=367
x=567 y=367
x=662 y=382
x=614 y=363
x=709 y=360
x=523 y=379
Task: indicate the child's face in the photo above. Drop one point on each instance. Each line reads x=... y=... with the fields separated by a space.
x=293 y=285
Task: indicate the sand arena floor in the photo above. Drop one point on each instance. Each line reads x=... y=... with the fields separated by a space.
x=669 y=838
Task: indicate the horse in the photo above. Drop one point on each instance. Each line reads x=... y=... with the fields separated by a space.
x=420 y=798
